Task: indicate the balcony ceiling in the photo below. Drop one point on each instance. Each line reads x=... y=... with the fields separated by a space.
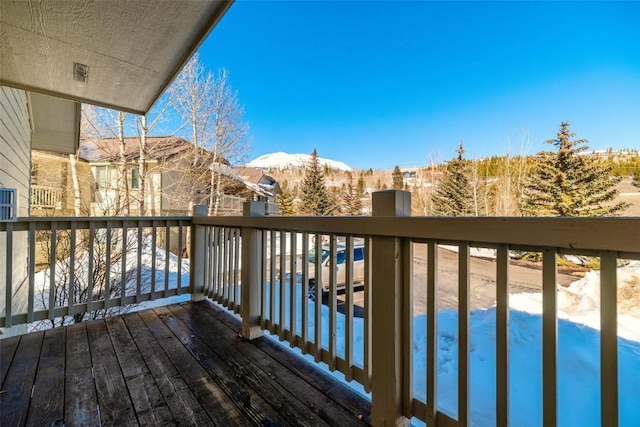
x=129 y=51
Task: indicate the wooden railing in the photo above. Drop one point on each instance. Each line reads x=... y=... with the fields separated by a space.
x=46 y=197
x=274 y=294
x=256 y=265
x=90 y=266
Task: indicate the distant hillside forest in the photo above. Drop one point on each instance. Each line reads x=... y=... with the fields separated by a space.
x=493 y=186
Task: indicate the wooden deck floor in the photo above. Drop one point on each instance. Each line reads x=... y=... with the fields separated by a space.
x=177 y=365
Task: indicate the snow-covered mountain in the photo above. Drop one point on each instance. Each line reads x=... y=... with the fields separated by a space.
x=282 y=160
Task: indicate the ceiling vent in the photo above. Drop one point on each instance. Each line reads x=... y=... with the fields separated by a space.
x=80 y=72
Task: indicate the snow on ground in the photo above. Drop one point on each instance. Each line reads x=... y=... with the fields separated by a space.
x=580 y=301
x=42 y=278
x=578 y=357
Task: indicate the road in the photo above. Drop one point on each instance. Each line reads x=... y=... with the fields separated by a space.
x=483 y=283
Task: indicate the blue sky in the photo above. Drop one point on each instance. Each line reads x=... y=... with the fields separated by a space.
x=379 y=84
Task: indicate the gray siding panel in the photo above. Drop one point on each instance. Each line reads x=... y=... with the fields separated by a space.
x=15 y=172
x=15 y=145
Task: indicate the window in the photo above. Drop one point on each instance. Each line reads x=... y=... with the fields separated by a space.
x=358 y=254
x=340 y=257
x=105 y=176
x=135 y=179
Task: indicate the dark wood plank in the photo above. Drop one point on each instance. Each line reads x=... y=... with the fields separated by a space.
x=47 y=397
x=8 y=348
x=272 y=375
x=80 y=399
x=115 y=404
x=242 y=394
x=182 y=403
x=148 y=403
x=353 y=402
x=19 y=381
x=212 y=398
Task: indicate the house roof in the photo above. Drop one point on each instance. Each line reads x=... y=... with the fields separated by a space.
x=108 y=149
x=117 y=54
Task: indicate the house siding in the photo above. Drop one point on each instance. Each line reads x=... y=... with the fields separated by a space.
x=15 y=172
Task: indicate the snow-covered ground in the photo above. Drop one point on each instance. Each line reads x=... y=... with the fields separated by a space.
x=42 y=278
x=578 y=355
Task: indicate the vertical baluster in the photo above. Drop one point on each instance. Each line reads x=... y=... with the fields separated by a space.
x=154 y=243
x=367 y=349
x=272 y=283
x=179 y=278
x=348 y=312
x=407 y=326
x=432 y=329
x=107 y=271
x=123 y=265
x=608 y=338
x=167 y=255
x=139 y=263
x=282 y=333
x=229 y=259
x=32 y=270
x=263 y=279
x=464 y=279
x=236 y=271
x=8 y=259
x=318 y=300
x=549 y=338
x=333 y=302
x=72 y=270
x=304 y=287
x=293 y=288
x=215 y=264
x=52 y=269
x=502 y=337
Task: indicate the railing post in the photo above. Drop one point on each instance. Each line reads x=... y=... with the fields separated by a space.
x=251 y=269
x=197 y=256
x=390 y=287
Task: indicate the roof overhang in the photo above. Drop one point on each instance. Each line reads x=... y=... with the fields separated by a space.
x=127 y=52
x=55 y=124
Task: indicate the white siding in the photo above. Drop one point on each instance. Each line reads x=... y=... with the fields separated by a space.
x=15 y=172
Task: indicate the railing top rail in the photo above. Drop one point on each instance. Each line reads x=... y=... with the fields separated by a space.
x=614 y=234
x=41 y=223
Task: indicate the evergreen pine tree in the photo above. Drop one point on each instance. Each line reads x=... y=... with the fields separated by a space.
x=453 y=195
x=360 y=186
x=351 y=199
x=315 y=198
x=285 y=204
x=396 y=177
x=568 y=183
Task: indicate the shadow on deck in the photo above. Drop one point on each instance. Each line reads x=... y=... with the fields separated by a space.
x=177 y=365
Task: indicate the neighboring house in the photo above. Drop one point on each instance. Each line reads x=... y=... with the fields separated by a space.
x=176 y=176
x=52 y=192
x=262 y=180
x=124 y=70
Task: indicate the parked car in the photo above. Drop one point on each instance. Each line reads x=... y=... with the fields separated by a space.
x=341 y=266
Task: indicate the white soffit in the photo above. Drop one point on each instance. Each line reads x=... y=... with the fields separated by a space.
x=130 y=50
x=55 y=123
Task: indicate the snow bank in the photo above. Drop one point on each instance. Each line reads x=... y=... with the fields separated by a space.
x=580 y=301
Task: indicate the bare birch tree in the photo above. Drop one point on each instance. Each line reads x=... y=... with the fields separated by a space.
x=210 y=110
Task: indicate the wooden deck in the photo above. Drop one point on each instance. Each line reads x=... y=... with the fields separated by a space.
x=177 y=365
